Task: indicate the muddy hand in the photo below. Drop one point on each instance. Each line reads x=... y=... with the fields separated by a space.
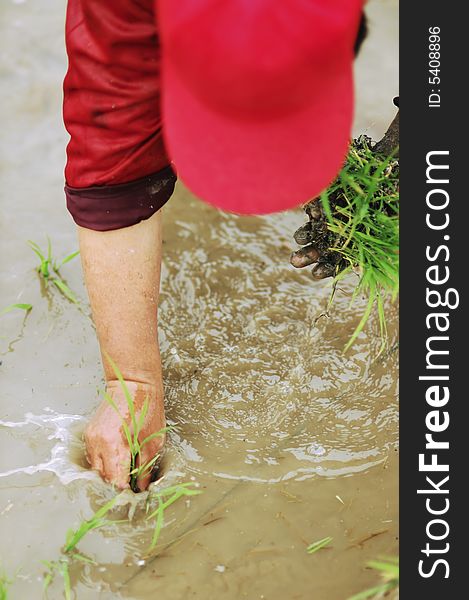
x=107 y=449
x=305 y=236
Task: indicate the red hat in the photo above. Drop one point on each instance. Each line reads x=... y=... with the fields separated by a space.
x=257 y=97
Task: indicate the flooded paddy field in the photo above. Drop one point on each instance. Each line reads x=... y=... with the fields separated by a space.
x=289 y=439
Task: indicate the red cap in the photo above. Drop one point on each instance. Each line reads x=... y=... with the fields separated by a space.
x=258 y=97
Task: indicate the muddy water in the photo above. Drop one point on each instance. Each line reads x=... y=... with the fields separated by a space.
x=289 y=440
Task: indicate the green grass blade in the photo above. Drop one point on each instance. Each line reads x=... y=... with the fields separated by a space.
x=49 y=250
x=363 y=320
x=25 y=307
x=37 y=250
x=125 y=427
x=95 y=522
x=315 y=546
x=158 y=525
x=372 y=592
x=127 y=394
x=152 y=436
x=65 y=290
x=84 y=559
x=68 y=259
x=143 y=469
x=66 y=579
x=143 y=414
x=387 y=568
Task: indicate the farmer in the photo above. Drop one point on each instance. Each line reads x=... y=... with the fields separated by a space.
x=249 y=101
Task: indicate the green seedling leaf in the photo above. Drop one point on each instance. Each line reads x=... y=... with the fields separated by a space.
x=315 y=546
x=67 y=259
x=66 y=578
x=174 y=492
x=47 y=580
x=125 y=427
x=142 y=469
x=143 y=414
x=83 y=558
x=179 y=491
x=158 y=525
x=389 y=570
x=95 y=522
x=25 y=307
x=127 y=394
x=43 y=267
x=49 y=250
x=372 y=592
x=5 y=583
x=159 y=433
x=65 y=290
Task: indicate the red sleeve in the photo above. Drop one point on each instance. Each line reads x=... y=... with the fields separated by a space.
x=112 y=104
x=112 y=92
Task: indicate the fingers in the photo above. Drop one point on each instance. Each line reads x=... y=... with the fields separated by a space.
x=94 y=460
x=304 y=235
x=323 y=270
x=116 y=467
x=110 y=459
x=313 y=236
x=304 y=257
x=313 y=209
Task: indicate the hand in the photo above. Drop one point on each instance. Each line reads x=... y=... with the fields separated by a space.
x=314 y=238
x=106 y=446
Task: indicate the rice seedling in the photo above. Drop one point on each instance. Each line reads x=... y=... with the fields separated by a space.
x=362 y=210
x=165 y=498
x=69 y=551
x=73 y=537
x=25 y=307
x=354 y=228
x=315 y=546
x=132 y=431
x=389 y=571
x=49 y=269
x=60 y=567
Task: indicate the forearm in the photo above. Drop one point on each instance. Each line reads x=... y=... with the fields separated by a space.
x=122 y=275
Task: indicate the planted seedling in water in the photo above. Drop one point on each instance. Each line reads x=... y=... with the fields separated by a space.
x=389 y=570
x=69 y=551
x=165 y=498
x=133 y=430
x=49 y=269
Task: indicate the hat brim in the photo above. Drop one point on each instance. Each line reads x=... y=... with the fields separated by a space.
x=258 y=166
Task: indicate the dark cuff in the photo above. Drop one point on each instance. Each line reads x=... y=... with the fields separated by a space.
x=107 y=207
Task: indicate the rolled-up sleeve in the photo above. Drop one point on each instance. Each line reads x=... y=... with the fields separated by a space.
x=117 y=170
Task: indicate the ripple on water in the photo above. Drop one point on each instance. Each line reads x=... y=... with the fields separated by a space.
x=261 y=389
